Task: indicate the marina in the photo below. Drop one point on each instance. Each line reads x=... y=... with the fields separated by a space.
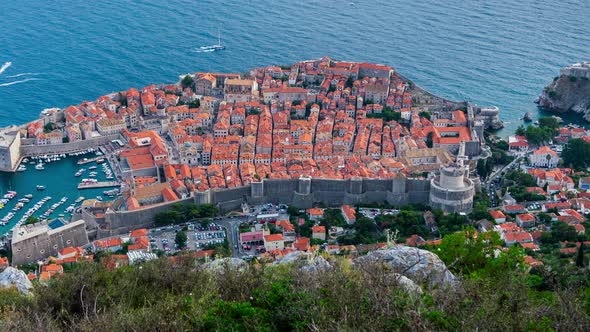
x=44 y=193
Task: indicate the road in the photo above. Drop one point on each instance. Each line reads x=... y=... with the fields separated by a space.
x=487 y=184
x=232 y=226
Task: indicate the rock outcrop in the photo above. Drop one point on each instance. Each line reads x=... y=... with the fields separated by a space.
x=421 y=266
x=308 y=262
x=12 y=277
x=567 y=94
x=220 y=265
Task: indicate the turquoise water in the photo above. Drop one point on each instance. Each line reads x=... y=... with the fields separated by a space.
x=59 y=180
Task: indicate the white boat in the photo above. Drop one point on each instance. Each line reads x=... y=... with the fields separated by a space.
x=40 y=187
x=213 y=48
x=39 y=166
x=21 y=168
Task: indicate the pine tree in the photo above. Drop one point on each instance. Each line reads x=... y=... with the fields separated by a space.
x=580 y=257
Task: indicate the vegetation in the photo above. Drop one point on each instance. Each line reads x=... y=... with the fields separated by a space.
x=181 y=213
x=195 y=103
x=186 y=82
x=560 y=231
x=49 y=127
x=496 y=294
x=425 y=114
x=576 y=153
x=31 y=220
x=538 y=135
x=481 y=201
x=181 y=239
x=387 y=115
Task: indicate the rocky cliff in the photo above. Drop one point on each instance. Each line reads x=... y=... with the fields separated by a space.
x=567 y=94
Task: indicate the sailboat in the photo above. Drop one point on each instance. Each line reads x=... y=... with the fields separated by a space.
x=213 y=48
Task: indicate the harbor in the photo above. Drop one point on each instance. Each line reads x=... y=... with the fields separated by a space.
x=52 y=186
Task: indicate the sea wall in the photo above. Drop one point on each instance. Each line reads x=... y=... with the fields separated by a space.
x=303 y=193
x=35 y=150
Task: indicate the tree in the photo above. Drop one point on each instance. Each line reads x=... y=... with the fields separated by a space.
x=50 y=126
x=31 y=220
x=349 y=82
x=580 y=256
x=549 y=122
x=187 y=82
x=181 y=239
x=424 y=114
x=502 y=145
x=473 y=254
x=195 y=103
x=520 y=131
x=429 y=142
x=576 y=153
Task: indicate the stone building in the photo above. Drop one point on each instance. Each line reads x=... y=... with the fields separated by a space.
x=377 y=93
x=580 y=70
x=240 y=90
x=31 y=243
x=205 y=84
x=9 y=148
x=452 y=190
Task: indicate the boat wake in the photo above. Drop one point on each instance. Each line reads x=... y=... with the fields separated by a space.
x=198 y=50
x=24 y=74
x=5 y=66
x=19 y=82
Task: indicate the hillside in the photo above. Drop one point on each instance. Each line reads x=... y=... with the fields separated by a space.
x=376 y=292
x=567 y=93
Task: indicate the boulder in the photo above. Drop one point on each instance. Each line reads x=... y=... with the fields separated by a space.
x=12 y=277
x=307 y=262
x=407 y=284
x=421 y=266
x=219 y=265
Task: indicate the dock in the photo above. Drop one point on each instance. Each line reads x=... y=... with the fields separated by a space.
x=89 y=160
x=103 y=184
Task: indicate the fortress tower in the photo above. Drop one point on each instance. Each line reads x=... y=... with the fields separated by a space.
x=452 y=190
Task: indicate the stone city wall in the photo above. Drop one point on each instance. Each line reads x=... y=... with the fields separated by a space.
x=122 y=222
x=332 y=192
x=48 y=244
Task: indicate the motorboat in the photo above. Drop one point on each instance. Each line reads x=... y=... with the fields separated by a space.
x=40 y=187
x=39 y=166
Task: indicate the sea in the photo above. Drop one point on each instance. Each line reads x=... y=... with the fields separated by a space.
x=493 y=52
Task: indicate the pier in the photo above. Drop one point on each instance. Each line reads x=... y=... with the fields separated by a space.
x=89 y=160
x=102 y=184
